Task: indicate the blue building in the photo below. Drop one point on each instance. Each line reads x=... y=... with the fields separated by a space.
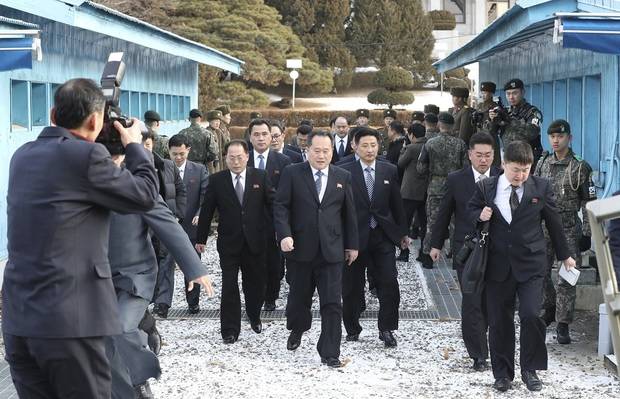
x=566 y=52
x=76 y=38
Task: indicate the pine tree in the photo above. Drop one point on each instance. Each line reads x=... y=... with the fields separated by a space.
x=394 y=82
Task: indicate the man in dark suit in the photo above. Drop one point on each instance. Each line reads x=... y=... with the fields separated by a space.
x=195 y=178
x=302 y=141
x=242 y=196
x=273 y=163
x=316 y=226
x=277 y=141
x=381 y=225
x=516 y=206
x=58 y=300
x=342 y=139
x=460 y=187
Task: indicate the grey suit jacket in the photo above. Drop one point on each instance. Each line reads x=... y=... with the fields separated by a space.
x=132 y=257
x=57 y=282
x=196 y=178
x=414 y=185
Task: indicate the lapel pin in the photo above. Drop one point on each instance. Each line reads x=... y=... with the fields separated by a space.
x=338 y=185
x=534 y=200
x=256 y=186
x=386 y=182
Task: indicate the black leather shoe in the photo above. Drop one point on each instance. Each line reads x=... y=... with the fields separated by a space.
x=161 y=310
x=426 y=260
x=353 y=337
x=388 y=339
x=502 y=384
x=563 y=334
x=193 y=309
x=480 y=364
x=257 y=327
x=294 y=340
x=154 y=340
x=229 y=339
x=403 y=256
x=143 y=391
x=331 y=362
x=269 y=306
x=531 y=380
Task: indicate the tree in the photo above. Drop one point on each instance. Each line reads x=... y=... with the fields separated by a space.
x=390 y=32
x=394 y=82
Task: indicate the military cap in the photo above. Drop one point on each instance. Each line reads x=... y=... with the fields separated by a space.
x=431 y=117
x=559 y=126
x=460 y=92
x=151 y=115
x=488 y=86
x=224 y=108
x=417 y=129
x=255 y=115
x=195 y=113
x=446 y=118
x=214 y=114
x=431 y=108
x=362 y=112
x=417 y=116
x=389 y=113
x=513 y=84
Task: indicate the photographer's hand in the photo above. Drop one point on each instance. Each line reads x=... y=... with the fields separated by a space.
x=131 y=134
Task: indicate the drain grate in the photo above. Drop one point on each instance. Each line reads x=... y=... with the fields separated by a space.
x=181 y=313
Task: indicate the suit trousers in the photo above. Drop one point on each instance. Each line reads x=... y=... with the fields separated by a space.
x=417 y=209
x=252 y=268
x=501 y=308
x=304 y=278
x=58 y=368
x=379 y=256
x=474 y=323
x=164 y=288
x=274 y=271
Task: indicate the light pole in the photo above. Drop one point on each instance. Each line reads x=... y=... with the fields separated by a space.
x=293 y=64
x=294 y=75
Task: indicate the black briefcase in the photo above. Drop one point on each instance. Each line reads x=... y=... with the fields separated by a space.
x=475 y=254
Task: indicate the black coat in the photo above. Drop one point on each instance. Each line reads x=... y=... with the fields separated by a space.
x=276 y=163
x=238 y=224
x=460 y=187
x=347 y=149
x=520 y=247
x=57 y=282
x=195 y=178
x=386 y=206
x=330 y=225
x=295 y=156
x=171 y=186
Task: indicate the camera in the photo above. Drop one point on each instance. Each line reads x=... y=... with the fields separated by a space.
x=111 y=79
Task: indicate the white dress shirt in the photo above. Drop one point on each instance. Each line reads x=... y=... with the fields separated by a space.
x=478 y=174
x=323 y=180
x=337 y=140
x=502 y=197
x=372 y=166
x=182 y=169
x=257 y=159
x=242 y=179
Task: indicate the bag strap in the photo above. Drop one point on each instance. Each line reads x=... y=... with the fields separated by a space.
x=484 y=228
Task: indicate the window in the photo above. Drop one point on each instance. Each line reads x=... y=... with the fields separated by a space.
x=175 y=108
x=547 y=108
x=124 y=102
x=186 y=105
x=161 y=105
x=38 y=104
x=53 y=88
x=575 y=104
x=168 y=111
x=592 y=108
x=144 y=104
x=19 y=105
x=560 y=100
x=135 y=105
x=153 y=101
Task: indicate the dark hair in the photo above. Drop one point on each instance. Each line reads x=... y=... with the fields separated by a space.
x=304 y=129
x=481 y=138
x=75 y=100
x=278 y=124
x=417 y=130
x=240 y=142
x=398 y=127
x=366 y=131
x=148 y=135
x=151 y=122
x=258 y=122
x=306 y=122
x=519 y=152
x=319 y=133
x=178 y=140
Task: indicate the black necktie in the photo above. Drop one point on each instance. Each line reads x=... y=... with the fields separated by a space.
x=514 y=200
x=341 y=149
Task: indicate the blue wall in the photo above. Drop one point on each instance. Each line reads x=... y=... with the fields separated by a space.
x=152 y=77
x=578 y=85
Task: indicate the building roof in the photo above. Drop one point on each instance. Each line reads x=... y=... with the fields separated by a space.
x=95 y=17
x=17 y=23
x=525 y=20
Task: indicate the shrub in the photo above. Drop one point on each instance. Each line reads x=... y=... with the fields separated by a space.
x=442 y=20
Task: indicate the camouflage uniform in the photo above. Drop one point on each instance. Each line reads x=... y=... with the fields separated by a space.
x=385 y=141
x=204 y=147
x=463 y=126
x=160 y=145
x=571 y=181
x=218 y=145
x=523 y=123
x=485 y=126
x=431 y=133
x=439 y=156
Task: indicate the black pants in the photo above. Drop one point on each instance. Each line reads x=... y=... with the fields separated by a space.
x=275 y=271
x=64 y=368
x=304 y=278
x=474 y=323
x=252 y=268
x=418 y=209
x=379 y=257
x=501 y=308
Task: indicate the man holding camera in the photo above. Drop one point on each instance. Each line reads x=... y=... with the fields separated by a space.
x=482 y=121
x=58 y=298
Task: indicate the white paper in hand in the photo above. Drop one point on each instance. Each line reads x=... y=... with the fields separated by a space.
x=571 y=276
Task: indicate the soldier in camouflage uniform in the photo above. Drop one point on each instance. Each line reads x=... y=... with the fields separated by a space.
x=214 y=118
x=482 y=121
x=571 y=180
x=463 y=126
x=522 y=121
x=389 y=116
x=431 y=109
x=430 y=123
x=203 y=145
x=439 y=156
x=226 y=118
x=160 y=143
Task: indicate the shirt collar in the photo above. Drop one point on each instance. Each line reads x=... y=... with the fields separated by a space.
x=477 y=174
x=264 y=154
x=504 y=184
x=338 y=138
x=373 y=165
x=242 y=174
x=182 y=167
x=325 y=171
